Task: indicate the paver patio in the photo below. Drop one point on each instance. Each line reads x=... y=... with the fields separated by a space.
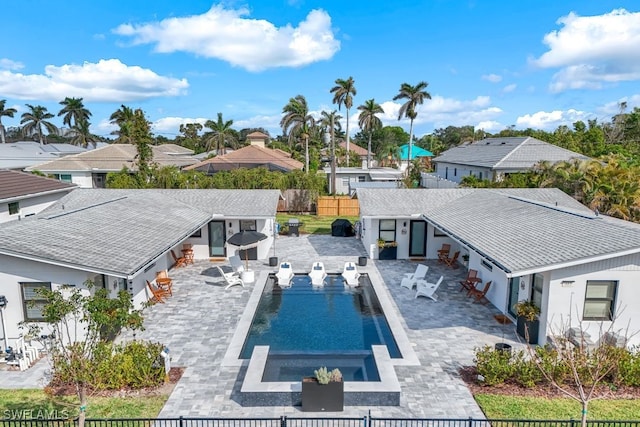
x=198 y=322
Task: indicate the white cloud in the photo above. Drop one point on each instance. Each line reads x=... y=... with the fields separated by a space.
x=493 y=78
x=171 y=125
x=509 y=88
x=106 y=81
x=8 y=64
x=613 y=108
x=490 y=126
x=226 y=34
x=593 y=50
x=442 y=112
x=552 y=119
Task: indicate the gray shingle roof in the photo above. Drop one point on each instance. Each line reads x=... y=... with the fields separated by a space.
x=506 y=153
x=16 y=185
x=112 y=158
x=119 y=231
x=519 y=232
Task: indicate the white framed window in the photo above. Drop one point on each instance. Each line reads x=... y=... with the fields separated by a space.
x=247 y=225
x=387 y=230
x=599 y=300
x=32 y=302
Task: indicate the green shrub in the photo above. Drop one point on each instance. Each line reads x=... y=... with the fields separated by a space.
x=553 y=364
x=525 y=371
x=628 y=369
x=494 y=365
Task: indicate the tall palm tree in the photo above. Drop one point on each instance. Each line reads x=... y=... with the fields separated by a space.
x=81 y=134
x=414 y=95
x=297 y=123
x=34 y=119
x=222 y=133
x=343 y=93
x=368 y=122
x=9 y=112
x=123 y=117
x=330 y=122
x=73 y=110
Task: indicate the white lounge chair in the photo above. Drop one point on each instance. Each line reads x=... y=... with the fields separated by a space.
x=284 y=275
x=236 y=264
x=350 y=274
x=426 y=289
x=232 y=279
x=317 y=274
x=410 y=280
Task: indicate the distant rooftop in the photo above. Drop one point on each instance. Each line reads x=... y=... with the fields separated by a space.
x=16 y=185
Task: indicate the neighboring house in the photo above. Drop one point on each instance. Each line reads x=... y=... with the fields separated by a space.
x=493 y=158
x=90 y=169
x=120 y=239
x=346 y=177
x=251 y=156
x=416 y=153
x=581 y=268
x=361 y=152
x=23 y=194
x=22 y=154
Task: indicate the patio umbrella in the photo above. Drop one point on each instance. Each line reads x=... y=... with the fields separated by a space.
x=246 y=240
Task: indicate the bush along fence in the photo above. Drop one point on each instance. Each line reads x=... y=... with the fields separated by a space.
x=284 y=421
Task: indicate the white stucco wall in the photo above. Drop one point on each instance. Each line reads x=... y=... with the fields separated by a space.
x=29 y=206
x=455 y=172
x=564 y=303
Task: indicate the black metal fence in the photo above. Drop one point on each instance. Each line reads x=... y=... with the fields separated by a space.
x=366 y=421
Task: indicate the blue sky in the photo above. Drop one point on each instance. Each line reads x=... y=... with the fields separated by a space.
x=490 y=64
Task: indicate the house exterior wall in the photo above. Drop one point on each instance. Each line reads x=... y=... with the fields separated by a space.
x=564 y=303
x=454 y=172
x=343 y=179
x=29 y=206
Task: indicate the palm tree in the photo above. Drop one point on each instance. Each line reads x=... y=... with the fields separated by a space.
x=34 y=119
x=222 y=133
x=415 y=95
x=368 y=122
x=297 y=122
x=343 y=93
x=122 y=117
x=389 y=154
x=9 y=112
x=81 y=134
x=73 y=110
x=331 y=122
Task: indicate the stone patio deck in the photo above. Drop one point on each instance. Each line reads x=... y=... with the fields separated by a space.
x=198 y=322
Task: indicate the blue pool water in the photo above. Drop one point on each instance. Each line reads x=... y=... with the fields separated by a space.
x=307 y=327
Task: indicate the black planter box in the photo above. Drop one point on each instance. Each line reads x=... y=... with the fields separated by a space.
x=388 y=253
x=533 y=329
x=318 y=397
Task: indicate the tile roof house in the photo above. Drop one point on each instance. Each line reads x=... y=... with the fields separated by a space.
x=121 y=238
x=23 y=194
x=251 y=156
x=361 y=152
x=492 y=158
x=22 y=154
x=90 y=169
x=534 y=244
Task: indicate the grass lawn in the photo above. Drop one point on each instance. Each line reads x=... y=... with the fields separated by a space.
x=21 y=404
x=514 y=407
x=314 y=224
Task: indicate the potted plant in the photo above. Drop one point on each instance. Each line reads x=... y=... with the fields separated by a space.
x=323 y=392
x=528 y=323
x=387 y=250
x=465 y=259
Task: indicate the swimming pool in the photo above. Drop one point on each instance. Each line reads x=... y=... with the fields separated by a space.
x=307 y=327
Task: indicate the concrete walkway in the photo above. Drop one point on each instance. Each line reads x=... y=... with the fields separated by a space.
x=197 y=324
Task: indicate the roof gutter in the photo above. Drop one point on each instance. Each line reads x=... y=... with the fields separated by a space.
x=42 y=193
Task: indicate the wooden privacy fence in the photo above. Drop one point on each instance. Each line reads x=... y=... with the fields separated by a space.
x=337 y=206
